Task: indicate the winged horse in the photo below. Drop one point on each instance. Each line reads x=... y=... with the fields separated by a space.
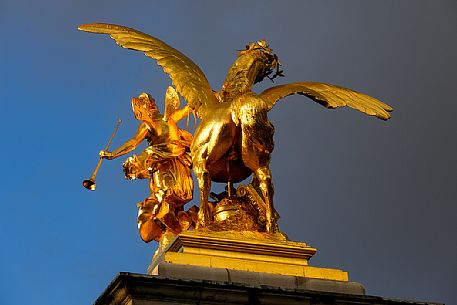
x=235 y=138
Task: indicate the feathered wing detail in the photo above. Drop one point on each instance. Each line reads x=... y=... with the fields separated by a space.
x=330 y=96
x=171 y=102
x=186 y=76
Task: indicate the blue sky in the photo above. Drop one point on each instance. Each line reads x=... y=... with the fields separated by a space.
x=376 y=198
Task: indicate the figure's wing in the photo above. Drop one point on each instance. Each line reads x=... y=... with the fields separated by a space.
x=186 y=76
x=171 y=102
x=329 y=96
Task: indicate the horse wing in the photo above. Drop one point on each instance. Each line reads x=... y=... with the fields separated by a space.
x=186 y=76
x=329 y=96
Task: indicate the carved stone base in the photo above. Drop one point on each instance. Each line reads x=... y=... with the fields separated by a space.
x=244 y=251
x=186 y=272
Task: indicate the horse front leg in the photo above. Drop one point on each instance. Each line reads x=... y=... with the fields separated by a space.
x=212 y=140
x=204 y=213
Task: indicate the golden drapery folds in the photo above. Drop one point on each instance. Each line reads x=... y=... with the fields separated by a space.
x=165 y=162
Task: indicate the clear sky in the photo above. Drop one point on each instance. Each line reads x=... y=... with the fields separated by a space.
x=378 y=199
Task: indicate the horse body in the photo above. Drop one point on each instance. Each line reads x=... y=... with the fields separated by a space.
x=232 y=142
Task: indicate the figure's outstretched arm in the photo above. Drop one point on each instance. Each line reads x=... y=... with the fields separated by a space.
x=127 y=146
x=180 y=114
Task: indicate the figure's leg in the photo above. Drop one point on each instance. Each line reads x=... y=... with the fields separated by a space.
x=155 y=192
x=147 y=227
x=166 y=187
x=188 y=219
x=167 y=217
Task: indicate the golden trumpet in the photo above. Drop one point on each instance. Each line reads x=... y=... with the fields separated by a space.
x=90 y=183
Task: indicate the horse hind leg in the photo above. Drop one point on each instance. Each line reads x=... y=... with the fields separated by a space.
x=263 y=176
x=256 y=148
x=258 y=163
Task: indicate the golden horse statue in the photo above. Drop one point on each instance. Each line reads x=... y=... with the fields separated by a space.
x=235 y=138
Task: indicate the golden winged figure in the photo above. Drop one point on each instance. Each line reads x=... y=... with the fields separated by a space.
x=165 y=162
x=235 y=138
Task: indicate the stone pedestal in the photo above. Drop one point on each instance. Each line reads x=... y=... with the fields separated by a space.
x=221 y=275
x=236 y=267
x=244 y=251
x=137 y=289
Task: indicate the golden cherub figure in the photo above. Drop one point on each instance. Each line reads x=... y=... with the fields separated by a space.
x=165 y=162
x=235 y=138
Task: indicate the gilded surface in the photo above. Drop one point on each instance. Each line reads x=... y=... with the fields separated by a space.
x=234 y=138
x=165 y=162
x=245 y=251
